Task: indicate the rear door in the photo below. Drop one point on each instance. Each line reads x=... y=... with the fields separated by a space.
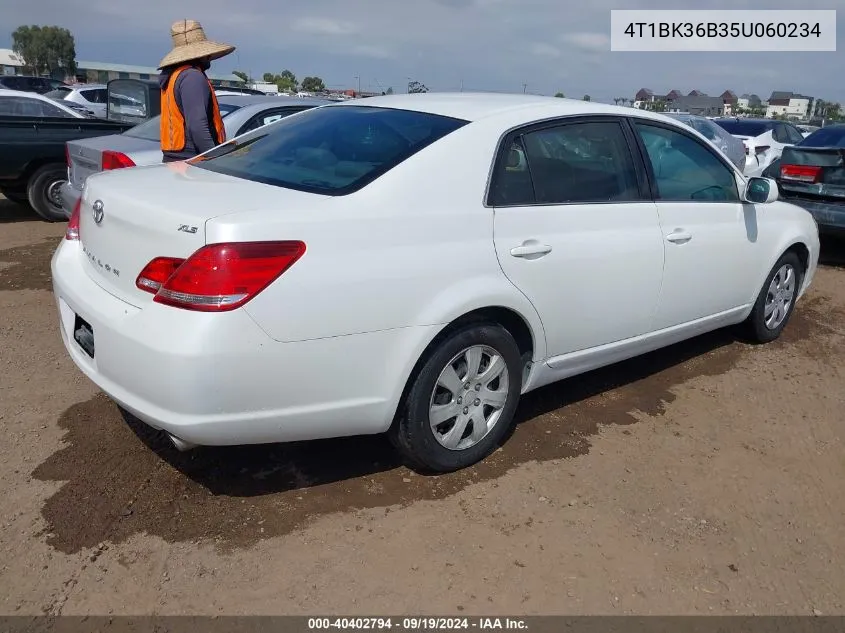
x=576 y=232
x=712 y=239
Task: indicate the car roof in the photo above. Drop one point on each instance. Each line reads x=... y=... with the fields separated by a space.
x=474 y=106
x=245 y=100
x=747 y=120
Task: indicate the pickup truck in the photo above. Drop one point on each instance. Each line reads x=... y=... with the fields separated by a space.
x=33 y=159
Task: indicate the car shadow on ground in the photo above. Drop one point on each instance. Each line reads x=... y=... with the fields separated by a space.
x=13 y=212
x=641 y=384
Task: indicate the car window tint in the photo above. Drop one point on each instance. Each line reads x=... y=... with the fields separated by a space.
x=331 y=150
x=794 y=134
x=95 y=95
x=573 y=163
x=266 y=118
x=686 y=169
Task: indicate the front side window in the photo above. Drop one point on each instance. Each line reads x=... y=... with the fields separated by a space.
x=333 y=150
x=793 y=134
x=685 y=169
x=587 y=162
x=95 y=95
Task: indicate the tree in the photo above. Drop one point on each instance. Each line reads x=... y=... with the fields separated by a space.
x=269 y=78
x=286 y=81
x=313 y=84
x=586 y=97
x=389 y=91
x=416 y=87
x=242 y=76
x=833 y=110
x=560 y=95
x=45 y=48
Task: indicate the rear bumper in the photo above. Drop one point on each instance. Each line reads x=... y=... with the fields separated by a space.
x=828 y=214
x=218 y=379
x=69 y=197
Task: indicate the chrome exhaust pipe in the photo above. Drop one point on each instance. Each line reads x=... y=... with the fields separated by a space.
x=180 y=444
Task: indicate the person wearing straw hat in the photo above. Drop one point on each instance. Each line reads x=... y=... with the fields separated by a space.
x=190 y=115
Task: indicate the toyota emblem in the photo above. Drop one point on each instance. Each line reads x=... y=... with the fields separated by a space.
x=98 y=211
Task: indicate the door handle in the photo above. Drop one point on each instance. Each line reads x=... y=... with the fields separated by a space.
x=531 y=248
x=679 y=237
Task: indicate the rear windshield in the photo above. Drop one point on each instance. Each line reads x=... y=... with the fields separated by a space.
x=151 y=130
x=331 y=150
x=826 y=137
x=743 y=128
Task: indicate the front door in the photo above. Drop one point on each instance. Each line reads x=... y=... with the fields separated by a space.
x=711 y=237
x=576 y=232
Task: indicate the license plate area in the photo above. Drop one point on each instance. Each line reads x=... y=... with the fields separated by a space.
x=83 y=334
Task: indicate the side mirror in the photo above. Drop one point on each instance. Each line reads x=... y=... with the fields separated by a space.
x=761 y=190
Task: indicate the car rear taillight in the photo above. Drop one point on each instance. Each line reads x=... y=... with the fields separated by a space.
x=220 y=277
x=158 y=271
x=72 y=231
x=801 y=173
x=116 y=160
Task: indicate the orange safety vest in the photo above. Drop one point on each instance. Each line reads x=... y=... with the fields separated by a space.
x=173 y=121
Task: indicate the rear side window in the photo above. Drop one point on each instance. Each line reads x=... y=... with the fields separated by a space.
x=95 y=95
x=26 y=107
x=826 y=137
x=333 y=150
x=743 y=128
x=573 y=163
x=151 y=130
x=266 y=118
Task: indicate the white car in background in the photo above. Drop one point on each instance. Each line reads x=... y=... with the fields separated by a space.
x=764 y=140
x=92 y=97
x=394 y=265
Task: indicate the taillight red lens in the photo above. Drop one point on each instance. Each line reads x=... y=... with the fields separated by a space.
x=72 y=231
x=801 y=173
x=158 y=271
x=116 y=160
x=221 y=277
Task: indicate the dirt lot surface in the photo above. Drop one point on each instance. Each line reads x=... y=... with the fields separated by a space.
x=706 y=478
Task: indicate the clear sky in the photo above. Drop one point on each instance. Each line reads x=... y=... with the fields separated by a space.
x=498 y=45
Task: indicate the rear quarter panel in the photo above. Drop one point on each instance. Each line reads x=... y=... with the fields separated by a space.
x=414 y=248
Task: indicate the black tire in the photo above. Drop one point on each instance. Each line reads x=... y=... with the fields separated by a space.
x=413 y=435
x=18 y=197
x=42 y=192
x=755 y=326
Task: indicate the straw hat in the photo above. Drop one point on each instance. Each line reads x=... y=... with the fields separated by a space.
x=190 y=43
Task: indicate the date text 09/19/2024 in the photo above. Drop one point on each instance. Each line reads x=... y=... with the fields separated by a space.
x=416 y=624
x=732 y=30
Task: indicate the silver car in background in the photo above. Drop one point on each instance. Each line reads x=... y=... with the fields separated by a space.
x=141 y=144
x=731 y=146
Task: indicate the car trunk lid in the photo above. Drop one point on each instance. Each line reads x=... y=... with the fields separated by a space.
x=130 y=217
x=816 y=171
x=86 y=155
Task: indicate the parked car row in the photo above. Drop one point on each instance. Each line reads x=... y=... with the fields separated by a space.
x=412 y=265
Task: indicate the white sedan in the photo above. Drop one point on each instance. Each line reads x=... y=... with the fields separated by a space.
x=412 y=264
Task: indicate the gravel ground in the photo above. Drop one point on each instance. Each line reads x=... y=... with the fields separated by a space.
x=706 y=478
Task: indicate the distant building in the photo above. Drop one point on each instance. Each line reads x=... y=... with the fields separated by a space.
x=700 y=105
x=10 y=63
x=101 y=72
x=696 y=93
x=748 y=101
x=789 y=104
x=265 y=87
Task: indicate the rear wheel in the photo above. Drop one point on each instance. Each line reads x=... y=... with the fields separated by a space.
x=462 y=402
x=44 y=192
x=776 y=301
